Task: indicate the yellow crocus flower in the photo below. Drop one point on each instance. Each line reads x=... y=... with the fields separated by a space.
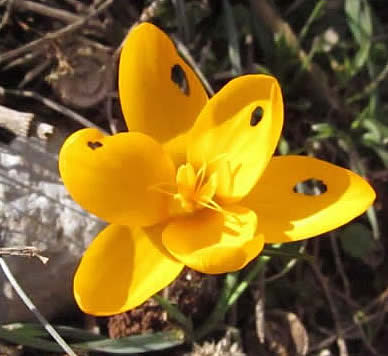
x=193 y=182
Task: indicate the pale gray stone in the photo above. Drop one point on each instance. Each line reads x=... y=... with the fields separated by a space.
x=35 y=210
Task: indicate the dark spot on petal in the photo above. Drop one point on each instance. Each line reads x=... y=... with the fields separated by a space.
x=94 y=145
x=256 y=116
x=310 y=186
x=178 y=76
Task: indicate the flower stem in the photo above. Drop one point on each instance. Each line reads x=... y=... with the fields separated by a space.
x=252 y=274
x=176 y=314
x=221 y=307
x=292 y=254
x=231 y=292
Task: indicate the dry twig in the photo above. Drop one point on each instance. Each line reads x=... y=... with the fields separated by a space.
x=54 y=106
x=316 y=77
x=59 y=14
x=24 y=251
x=54 y=35
x=339 y=265
x=7 y=13
x=30 y=305
x=343 y=351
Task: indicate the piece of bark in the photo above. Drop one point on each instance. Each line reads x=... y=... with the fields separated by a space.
x=17 y=122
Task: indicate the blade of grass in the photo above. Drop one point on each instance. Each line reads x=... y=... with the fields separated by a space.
x=370 y=87
x=232 y=290
x=318 y=9
x=33 y=335
x=233 y=44
x=221 y=307
x=176 y=314
x=359 y=19
x=135 y=344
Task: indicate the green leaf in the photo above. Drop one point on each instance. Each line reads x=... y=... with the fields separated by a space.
x=283 y=146
x=135 y=344
x=359 y=18
x=360 y=23
x=233 y=38
x=357 y=240
x=35 y=336
x=315 y=14
x=323 y=130
x=37 y=330
x=288 y=251
x=18 y=338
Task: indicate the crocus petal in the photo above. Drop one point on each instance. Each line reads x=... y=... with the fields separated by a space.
x=121 y=269
x=214 y=242
x=237 y=133
x=159 y=93
x=285 y=215
x=116 y=177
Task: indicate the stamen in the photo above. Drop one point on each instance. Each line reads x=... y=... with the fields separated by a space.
x=218 y=158
x=212 y=205
x=157 y=188
x=202 y=170
x=200 y=177
x=196 y=190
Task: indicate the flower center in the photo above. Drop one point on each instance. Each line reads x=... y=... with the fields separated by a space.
x=195 y=190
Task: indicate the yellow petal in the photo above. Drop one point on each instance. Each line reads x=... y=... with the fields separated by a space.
x=237 y=133
x=214 y=242
x=114 y=177
x=121 y=269
x=159 y=93
x=285 y=215
x=176 y=148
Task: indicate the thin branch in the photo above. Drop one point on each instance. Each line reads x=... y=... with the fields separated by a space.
x=25 y=251
x=30 y=305
x=370 y=87
x=339 y=331
x=54 y=106
x=183 y=50
x=348 y=332
x=150 y=11
x=339 y=265
x=289 y=266
x=54 y=35
x=24 y=59
x=7 y=13
x=316 y=77
x=33 y=73
x=59 y=14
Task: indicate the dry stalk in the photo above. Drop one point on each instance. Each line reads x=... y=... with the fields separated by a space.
x=24 y=251
x=343 y=351
x=52 y=105
x=316 y=77
x=54 y=35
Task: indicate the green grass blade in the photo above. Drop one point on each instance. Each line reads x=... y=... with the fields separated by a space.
x=233 y=38
x=34 y=336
